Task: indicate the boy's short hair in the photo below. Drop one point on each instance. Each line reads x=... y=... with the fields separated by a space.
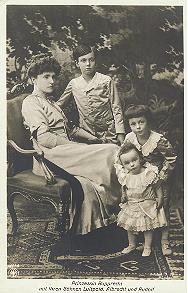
x=135 y=111
x=43 y=63
x=81 y=50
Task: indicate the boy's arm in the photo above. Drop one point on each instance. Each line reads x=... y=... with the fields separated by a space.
x=169 y=155
x=66 y=95
x=159 y=193
x=117 y=111
x=124 y=194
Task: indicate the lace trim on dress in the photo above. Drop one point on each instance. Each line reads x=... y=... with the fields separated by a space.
x=121 y=172
x=150 y=144
x=141 y=180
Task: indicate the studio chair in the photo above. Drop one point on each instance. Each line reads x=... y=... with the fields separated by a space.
x=22 y=182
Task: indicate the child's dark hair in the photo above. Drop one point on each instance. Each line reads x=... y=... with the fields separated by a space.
x=135 y=111
x=81 y=50
x=43 y=63
x=126 y=147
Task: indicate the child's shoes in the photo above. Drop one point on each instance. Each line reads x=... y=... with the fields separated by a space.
x=128 y=249
x=140 y=247
x=146 y=251
x=165 y=246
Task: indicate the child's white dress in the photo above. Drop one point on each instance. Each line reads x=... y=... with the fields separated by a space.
x=139 y=212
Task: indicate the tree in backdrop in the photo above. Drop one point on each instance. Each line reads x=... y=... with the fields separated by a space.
x=144 y=42
x=47 y=29
x=125 y=35
x=148 y=36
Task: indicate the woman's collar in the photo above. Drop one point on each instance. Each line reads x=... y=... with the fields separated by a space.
x=42 y=95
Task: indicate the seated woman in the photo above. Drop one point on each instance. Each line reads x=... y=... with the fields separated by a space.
x=92 y=165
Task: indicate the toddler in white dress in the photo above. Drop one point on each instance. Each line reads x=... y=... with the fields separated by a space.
x=142 y=197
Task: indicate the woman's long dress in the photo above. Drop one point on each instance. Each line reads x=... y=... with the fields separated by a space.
x=91 y=164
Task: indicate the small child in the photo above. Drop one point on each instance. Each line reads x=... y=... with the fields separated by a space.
x=142 y=197
x=156 y=150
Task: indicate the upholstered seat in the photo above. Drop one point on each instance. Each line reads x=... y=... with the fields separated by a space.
x=32 y=183
x=21 y=180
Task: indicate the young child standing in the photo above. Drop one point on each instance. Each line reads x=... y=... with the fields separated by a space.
x=141 y=203
x=156 y=150
x=97 y=99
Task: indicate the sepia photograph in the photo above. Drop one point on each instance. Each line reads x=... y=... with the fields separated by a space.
x=95 y=143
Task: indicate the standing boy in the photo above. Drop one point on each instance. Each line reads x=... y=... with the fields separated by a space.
x=97 y=100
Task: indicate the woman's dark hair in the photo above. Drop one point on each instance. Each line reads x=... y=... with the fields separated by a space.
x=81 y=50
x=39 y=64
x=43 y=63
x=135 y=111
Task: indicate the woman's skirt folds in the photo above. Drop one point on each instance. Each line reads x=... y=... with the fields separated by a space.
x=93 y=166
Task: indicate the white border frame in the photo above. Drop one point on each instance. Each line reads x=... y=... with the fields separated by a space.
x=33 y=285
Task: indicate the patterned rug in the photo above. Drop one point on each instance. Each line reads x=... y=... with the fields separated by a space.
x=97 y=255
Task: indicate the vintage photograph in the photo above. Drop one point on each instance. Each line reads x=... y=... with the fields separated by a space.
x=95 y=136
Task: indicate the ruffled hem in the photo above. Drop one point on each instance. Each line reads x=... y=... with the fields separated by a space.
x=140 y=228
x=139 y=221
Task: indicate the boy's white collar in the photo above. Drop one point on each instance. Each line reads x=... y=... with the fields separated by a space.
x=149 y=145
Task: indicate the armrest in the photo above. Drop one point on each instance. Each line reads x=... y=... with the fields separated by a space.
x=38 y=154
x=20 y=150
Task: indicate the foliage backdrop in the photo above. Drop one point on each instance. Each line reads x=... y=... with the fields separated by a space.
x=141 y=47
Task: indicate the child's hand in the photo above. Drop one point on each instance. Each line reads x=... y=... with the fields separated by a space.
x=123 y=199
x=159 y=202
x=159 y=183
x=120 y=138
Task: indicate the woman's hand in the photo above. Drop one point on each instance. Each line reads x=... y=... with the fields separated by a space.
x=80 y=135
x=95 y=141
